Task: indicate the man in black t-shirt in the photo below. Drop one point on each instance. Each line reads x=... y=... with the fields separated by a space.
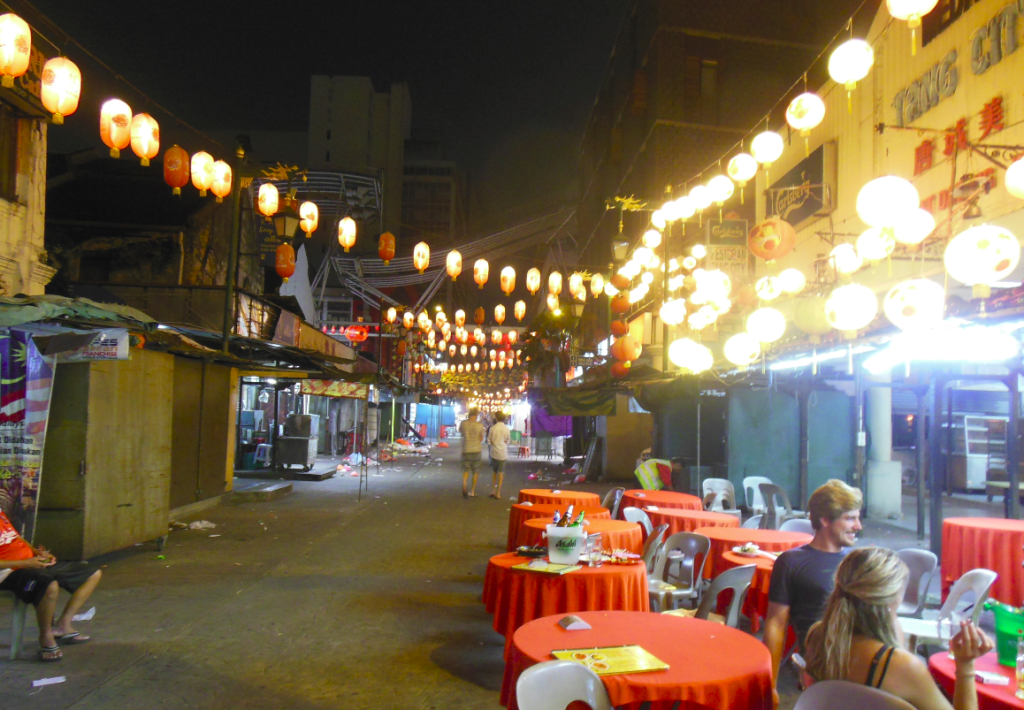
x=803 y=577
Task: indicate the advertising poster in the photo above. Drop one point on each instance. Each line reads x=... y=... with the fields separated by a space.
x=26 y=378
x=112 y=344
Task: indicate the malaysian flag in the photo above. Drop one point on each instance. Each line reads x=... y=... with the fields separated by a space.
x=25 y=381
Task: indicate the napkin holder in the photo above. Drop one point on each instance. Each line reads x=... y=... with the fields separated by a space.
x=573 y=623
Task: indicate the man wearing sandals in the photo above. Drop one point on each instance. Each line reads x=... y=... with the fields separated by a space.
x=498 y=438
x=36 y=577
x=472 y=437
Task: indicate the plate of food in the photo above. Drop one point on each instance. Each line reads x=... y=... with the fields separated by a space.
x=747 y=549
x=623 y=557
x=527 y=551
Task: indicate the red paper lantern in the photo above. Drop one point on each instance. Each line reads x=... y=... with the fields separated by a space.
x=619 y=328
x=145 y=137
x=284 y=262
x=480 y=315
x=620 y=304
x=386 y=247
x=626 y=348
x=176 y=170
x=619 y=281
x=402 y=345
x=116 y=126
x=356 y=333
x=772 y=239
x=620 y=369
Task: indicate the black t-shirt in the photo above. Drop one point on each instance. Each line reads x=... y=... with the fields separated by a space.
x=802 y=579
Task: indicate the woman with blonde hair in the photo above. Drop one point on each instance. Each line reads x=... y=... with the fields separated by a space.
x=859 y=638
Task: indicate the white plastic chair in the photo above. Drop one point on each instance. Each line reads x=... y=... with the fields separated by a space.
x=844 y=695
x=724 y=492
x=977 y=582
x=775 y=497
x=554 y=684
x=652 y=544
x=687 y=580
x=636 y=515
x=611 y=501
x=802 y=525
x=737 y=579
x=922 y=565
x=19 y=613
x=753 y=522
x=752 y=493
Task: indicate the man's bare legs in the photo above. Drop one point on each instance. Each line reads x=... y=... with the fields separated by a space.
x=496 y=484
x=44 y=619
x=62 y=627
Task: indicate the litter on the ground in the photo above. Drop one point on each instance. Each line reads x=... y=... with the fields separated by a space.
x=201 y=525
x=47 y=681
x=177 y=525
x=214 y=535
x=86 y=616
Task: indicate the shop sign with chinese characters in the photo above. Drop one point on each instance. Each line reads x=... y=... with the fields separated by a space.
x=954 y=141
x=997 y=38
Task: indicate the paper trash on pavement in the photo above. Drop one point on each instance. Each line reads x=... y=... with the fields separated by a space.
x=86 y=616
x=201 y=525
x=47 y=681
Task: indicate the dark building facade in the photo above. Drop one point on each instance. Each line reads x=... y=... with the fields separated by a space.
x=685 y=82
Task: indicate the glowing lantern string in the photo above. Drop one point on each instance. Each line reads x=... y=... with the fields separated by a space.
x=61 y=88
x=222 y=180
x=202 y=172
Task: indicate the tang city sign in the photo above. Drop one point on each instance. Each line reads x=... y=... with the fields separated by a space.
x=999 y=37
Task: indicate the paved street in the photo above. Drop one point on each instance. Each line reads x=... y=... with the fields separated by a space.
x=311 y=601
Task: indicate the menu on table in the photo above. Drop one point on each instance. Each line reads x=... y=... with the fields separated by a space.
x=613 y=660
x=546 y=567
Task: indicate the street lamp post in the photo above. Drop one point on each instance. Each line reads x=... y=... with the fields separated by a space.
x=233 y=238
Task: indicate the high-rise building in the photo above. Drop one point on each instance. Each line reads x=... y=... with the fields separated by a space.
x=353 y=128
x=685 y=82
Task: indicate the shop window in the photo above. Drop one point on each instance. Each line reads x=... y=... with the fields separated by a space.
x=8 y=154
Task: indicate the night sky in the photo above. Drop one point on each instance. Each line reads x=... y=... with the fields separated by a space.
x=508 y=86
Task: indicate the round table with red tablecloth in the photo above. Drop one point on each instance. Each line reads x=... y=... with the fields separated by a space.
x=639 y=498
x=990 y=696
x=561 y=498
x=680 y=520
x=724 y=539
x=615 y=534
x=516 y=597
x=989 y=543
x=710 y=665
x=520 y=513
x=755 y=606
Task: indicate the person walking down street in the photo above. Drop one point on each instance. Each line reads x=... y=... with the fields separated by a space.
x=472 y=438
x=498 y=438
x=36 y=577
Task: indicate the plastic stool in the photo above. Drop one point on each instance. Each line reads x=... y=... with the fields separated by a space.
x=263 y=453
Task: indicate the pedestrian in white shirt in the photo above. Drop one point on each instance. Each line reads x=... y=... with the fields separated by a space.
x=498 y=438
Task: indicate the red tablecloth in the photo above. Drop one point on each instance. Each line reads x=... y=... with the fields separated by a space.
x=990 y=697
x=640 y=498
x=992 y=543
x=724 y=539
x=561 y=498
x=756 y=604
x=516 y=597
x=679 y=520
x=615 y=534
x=521 y=513
x=710 y=665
